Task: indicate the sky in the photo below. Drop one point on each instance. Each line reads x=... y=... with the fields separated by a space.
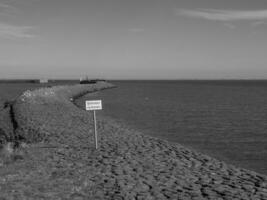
x=133 y=39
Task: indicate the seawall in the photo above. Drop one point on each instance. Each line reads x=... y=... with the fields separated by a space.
x=60 y=162
x=37 y=113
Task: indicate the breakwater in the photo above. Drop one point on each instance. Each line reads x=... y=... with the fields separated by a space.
x=38 y=112
x=60 y=162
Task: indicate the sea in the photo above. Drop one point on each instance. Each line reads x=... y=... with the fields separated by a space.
x=226 y=119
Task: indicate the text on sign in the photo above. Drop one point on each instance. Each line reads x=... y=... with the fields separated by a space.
x=93 y=105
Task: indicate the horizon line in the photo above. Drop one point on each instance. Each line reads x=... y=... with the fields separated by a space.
x=115 y=79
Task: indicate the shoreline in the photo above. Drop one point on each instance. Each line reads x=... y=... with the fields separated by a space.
x=59 y=160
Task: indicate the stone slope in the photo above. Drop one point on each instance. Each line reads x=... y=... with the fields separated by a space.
x=34 y=110
x=61 y=162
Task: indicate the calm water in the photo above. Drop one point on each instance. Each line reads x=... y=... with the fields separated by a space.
x=224 y=119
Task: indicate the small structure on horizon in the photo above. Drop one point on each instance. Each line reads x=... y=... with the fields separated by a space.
x=86 y=80
x=43 y=80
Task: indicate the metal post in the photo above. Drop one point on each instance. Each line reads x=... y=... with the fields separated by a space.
x=95 y=130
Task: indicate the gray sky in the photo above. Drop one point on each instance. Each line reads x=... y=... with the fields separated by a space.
x=133 y=39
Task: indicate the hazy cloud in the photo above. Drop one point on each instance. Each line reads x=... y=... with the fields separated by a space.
x=6 y=9
x=11 y=31
x=8 y=30
x=2 y=5
x=224 y=15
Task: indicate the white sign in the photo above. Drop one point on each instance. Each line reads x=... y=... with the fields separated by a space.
x=93 y=105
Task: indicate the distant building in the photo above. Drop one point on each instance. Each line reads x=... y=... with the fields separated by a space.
x=43 y=80
x=86 y=80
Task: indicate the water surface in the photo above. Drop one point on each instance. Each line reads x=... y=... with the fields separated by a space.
x=224 y=119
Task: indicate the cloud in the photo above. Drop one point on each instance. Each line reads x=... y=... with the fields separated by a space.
x=3 y=5
x=8 y=30
x=11 y=31
x=224 y=15
x=5 y=8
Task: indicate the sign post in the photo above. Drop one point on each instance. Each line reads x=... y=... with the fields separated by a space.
x=94 y=105
x=95 y=130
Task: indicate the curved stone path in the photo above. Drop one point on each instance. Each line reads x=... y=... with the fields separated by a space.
x=61 y=163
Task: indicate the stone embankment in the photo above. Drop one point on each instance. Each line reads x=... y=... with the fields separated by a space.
x=60 y=162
